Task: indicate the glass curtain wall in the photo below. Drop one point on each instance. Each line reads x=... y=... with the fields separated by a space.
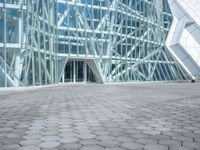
x=27 y=35
x=41 y=54
x=126 y=37
x=122 y=40
x=11 y=41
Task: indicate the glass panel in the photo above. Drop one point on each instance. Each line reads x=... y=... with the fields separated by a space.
x=12 y=1
x=79 y=71
x=69 y=72
x=1 y=25
x=12 y=26
x=2 y=68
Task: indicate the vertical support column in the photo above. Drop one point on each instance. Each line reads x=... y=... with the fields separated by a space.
x=5 y=30
x=71 y=71
x=74 y=71
x=85 y=72
x=63 y=77
x=17 y=66
x=20 y=27
x=18 y=51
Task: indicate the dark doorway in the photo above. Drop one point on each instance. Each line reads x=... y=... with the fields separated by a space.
x=78 y=71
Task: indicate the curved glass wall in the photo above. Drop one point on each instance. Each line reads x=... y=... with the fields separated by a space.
x=125 y=37
x=110 y=40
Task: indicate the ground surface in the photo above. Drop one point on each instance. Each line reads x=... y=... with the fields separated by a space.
x=152 y=116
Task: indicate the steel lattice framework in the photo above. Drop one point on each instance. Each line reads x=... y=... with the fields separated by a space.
x=126 y=38
x=119 y=40
x=27 y=50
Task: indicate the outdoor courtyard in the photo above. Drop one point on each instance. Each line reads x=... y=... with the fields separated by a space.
x=132 y=116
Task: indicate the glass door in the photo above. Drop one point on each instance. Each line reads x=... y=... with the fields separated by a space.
x=79 y=71
x=69 y=72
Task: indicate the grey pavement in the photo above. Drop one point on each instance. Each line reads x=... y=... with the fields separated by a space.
x=137 y=116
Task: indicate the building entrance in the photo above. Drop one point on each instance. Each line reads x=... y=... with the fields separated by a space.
x=77 y=71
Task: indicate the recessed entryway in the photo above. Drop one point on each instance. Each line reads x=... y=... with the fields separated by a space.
x=77 y=71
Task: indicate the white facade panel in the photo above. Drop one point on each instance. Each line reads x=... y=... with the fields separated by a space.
x=184 y=37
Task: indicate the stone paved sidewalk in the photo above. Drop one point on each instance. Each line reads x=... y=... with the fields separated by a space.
x=151 y=116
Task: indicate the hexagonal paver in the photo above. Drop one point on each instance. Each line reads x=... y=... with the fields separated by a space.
x=132 y=145
x=29 y=148
x=181 y=148
x=89 y=141
x=115 y=148
x=67 y=134
x=69 y=140
x=86 y=136
x=155 y=147
x=92 y=147
x=30 y=142
x=124 y=139
x=70 y=146
x=50 y=138
x=147 y=141
x=191 y=144
x=112 y=116
x=49 y=144
x=109 y=143
x=29 y=137
x=10 y=147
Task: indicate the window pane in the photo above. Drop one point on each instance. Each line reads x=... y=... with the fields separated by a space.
x=1 y=25
x=12 y=26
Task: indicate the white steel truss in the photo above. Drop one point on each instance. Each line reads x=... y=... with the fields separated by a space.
x=126 y=37
x=119 y=40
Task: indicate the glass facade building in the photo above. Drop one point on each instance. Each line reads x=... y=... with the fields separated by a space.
x=51 y=41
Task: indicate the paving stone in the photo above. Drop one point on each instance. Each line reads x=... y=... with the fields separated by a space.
x=70 y=146
x=132 y=145
x=5 y=129
x=32 y=132
x=92 y=147
x=69 y=140
x=115 y=148
x=192 y=144
x=48 y=133
x=192 y=135
x=30 y=142
x=50 y=138
x=86 y=136
x=155 y=147
x=152 y=132
x=10 y=147
x=111 y=116
x=29 y=148
x=140 y=136
x=29 y=137
x=181 y=148
x=170 y=143
x=161 y=137
x=109 y=143
x=197 y=140
x=12 y=135
x=49 y=144
x=171 y=133
x=105 y=137
x=182 y=138
x=124 y=139
x=101 y=132
x=147 y=141
x=6 y=141
x=67 y=134
x=89 y=141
